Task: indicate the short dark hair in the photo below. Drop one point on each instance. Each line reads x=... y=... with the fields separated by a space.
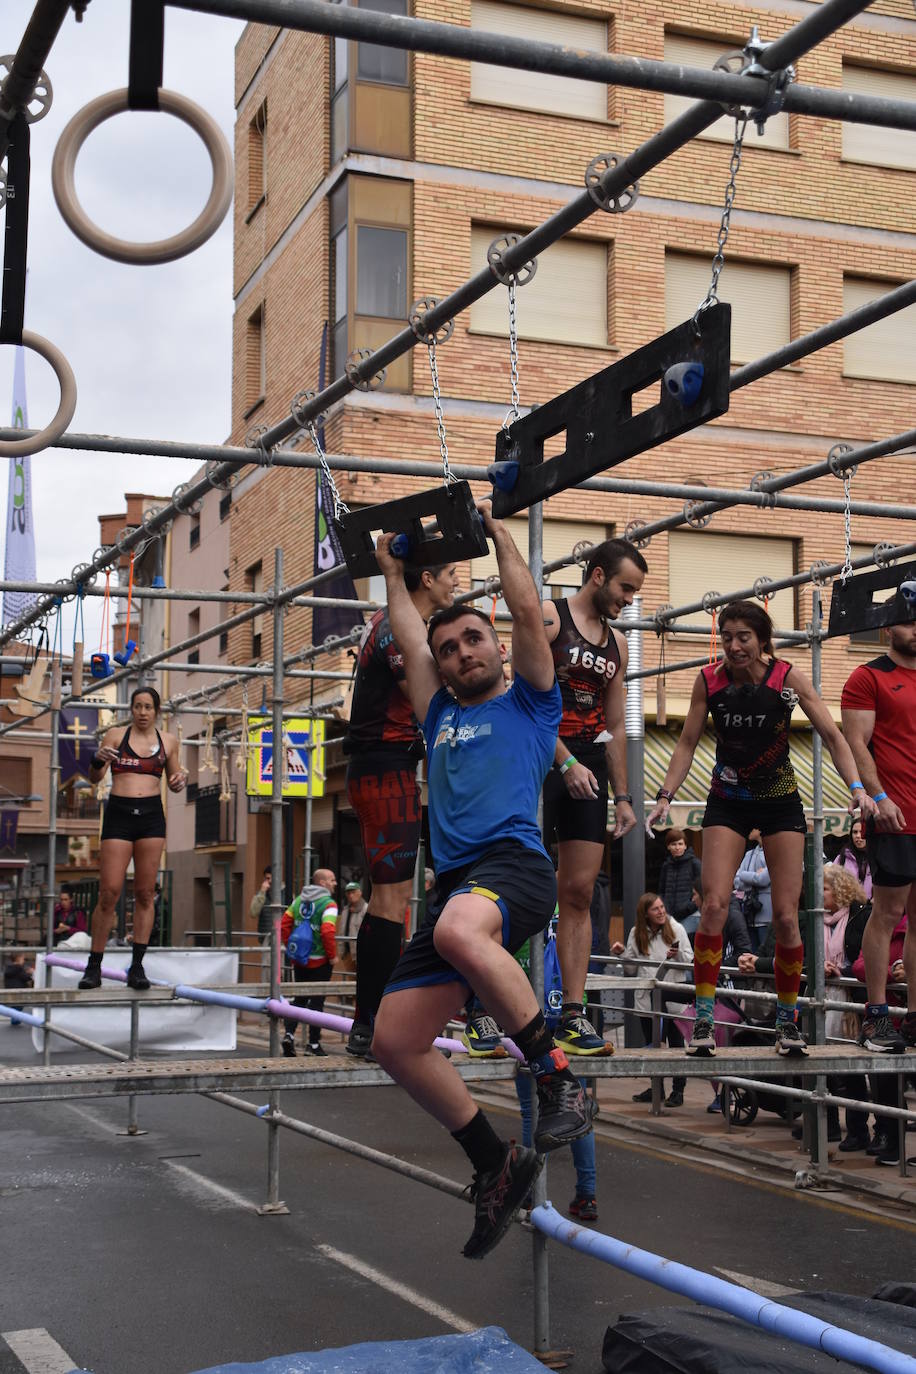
x=151 y=692
x=267 y=869
x=609 y=555
x=753 y=615
x=455 y=612
x=674 y=835
x=413 y=576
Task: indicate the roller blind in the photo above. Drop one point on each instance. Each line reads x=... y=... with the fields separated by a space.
x=537 y=90
x=886 y=350
x=699 y=562
x=703 y=52
x=566 y=302
x=560 y=538
x=759 y=294
x=868 y=143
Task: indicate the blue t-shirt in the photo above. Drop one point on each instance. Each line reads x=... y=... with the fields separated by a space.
x=486 y=767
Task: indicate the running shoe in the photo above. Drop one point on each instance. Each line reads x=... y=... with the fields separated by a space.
x=359 y=1039
x=703 y=1039
x=880 y=1035
x=565 y=1112
x=908 y=1030
x=583 y=1208
x=577 y=1035
x=675 y=1098
x=288 y=1046
x=789 y=1040
x=137 y=979
x=482 y=1037
x=499 y=1195
x=318 y=1051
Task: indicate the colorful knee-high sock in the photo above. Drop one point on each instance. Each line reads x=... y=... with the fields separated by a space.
x=707 y=959
x=788 y=965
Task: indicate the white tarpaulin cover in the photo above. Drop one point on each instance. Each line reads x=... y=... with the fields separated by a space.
x=179 y=1026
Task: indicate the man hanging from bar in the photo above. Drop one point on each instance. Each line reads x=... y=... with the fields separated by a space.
x=489 y=748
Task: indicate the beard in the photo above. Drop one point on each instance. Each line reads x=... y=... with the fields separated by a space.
x=483 y=680
x=906 y=648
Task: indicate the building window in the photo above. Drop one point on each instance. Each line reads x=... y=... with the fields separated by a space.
x=566 y=302
x=254 y=582
x=194 y=656
x=885 y=350
x=193 y=629
x=867 y=142
x=225 y=505
x=564 y=95
x=255 y=370
x=381 y=272
x=703 y=52
x=760 y=295
x=559 y=539
x=17 y=776
x=388 y=66
x=257 y=159
x=225 y=608
x=194 y=532
x=700 y=562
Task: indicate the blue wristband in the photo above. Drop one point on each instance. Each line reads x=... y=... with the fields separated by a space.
x=856 y=787
x=879 y=797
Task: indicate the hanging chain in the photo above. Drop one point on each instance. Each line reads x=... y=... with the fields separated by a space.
x=447 y=475
x=731 y=191
x=847 y=529
x=513 y=351
x=340 y=506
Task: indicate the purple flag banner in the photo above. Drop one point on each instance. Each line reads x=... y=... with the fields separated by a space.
x=9 y=825
x=75 y=755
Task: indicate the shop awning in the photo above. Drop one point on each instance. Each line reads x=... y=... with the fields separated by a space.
x=687 y=811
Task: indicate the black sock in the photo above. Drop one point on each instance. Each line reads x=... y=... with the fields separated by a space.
x=378 y=949
x=138 y=953
x=481 y=1144
x=534 y=1040
x=573 y=1009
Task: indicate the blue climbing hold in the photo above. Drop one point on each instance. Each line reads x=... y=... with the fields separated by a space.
x=400 y=546
x=503 y=475
x=126 y=654
x=158 y=581
x=99 y=666
x=908 y=592
x=684 y=381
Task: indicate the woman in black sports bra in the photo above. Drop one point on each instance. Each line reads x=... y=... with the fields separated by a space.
x=133 y=828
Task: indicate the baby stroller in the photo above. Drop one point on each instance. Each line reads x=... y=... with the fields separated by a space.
x=740 y=1105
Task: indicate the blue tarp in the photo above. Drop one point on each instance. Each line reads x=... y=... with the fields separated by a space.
x=488 y=1351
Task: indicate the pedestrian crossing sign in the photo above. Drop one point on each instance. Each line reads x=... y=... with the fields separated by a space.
x=304 y=747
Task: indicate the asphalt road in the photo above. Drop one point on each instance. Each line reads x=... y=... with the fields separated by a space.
x=148 y=1256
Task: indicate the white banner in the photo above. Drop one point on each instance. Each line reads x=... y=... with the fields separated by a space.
x=180 y=1026
x=19 y=563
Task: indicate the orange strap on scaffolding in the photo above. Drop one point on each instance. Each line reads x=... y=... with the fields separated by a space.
x=493 y=610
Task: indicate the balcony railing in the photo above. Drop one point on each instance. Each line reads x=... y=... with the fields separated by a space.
x=77 y=805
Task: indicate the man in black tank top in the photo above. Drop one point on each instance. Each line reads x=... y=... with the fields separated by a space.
x=591 y=659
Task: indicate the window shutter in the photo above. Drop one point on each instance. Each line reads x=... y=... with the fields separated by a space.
x=759 y=294
x=886 y=350
x=536 y=90
x=699 y=562
x=868 y=143
x=703 y=52
x=254 y=357
x=565 y=302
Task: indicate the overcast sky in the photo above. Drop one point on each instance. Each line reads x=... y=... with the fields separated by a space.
x=150 y=346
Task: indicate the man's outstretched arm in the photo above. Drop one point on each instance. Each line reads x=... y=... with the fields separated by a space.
x=531 y=656
x=421 y=673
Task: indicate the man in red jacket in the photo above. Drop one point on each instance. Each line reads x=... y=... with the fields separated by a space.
x=319 y=895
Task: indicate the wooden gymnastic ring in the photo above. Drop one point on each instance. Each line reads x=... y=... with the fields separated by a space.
x=47 y=437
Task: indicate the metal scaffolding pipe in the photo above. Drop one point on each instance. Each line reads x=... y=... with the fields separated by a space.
x=448 y=40
x=19 y=87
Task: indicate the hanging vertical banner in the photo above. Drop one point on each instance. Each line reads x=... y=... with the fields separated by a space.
x=9 y=825
x=75 y=754
x=19 y=563
x=328 y=621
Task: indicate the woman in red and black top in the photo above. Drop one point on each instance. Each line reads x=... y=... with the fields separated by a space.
x=751 y=695
x=133 y=828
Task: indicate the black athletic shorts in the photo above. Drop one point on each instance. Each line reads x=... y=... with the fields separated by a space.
x=769 y=817
x=382 y=789
x=521 y=882
x=133 y=818
x=569 y=818
x=891 y=858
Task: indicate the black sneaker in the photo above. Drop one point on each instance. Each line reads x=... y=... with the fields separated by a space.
x=880 y=1035
x=703 y=1040
x=644 y=1096
x=854 y=1141
x=891 y=1152
x=565 y=1112
x=675 y=1098
x=318 y=1051
x=789 y=1039
x=359 y=1040
x=92 y=978
x=498 y=1196
x=879 y=1145
x=137 y=979
x=288 y=1046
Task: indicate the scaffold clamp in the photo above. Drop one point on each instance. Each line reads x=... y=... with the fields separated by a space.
x=437 y=526
x=597 y=416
